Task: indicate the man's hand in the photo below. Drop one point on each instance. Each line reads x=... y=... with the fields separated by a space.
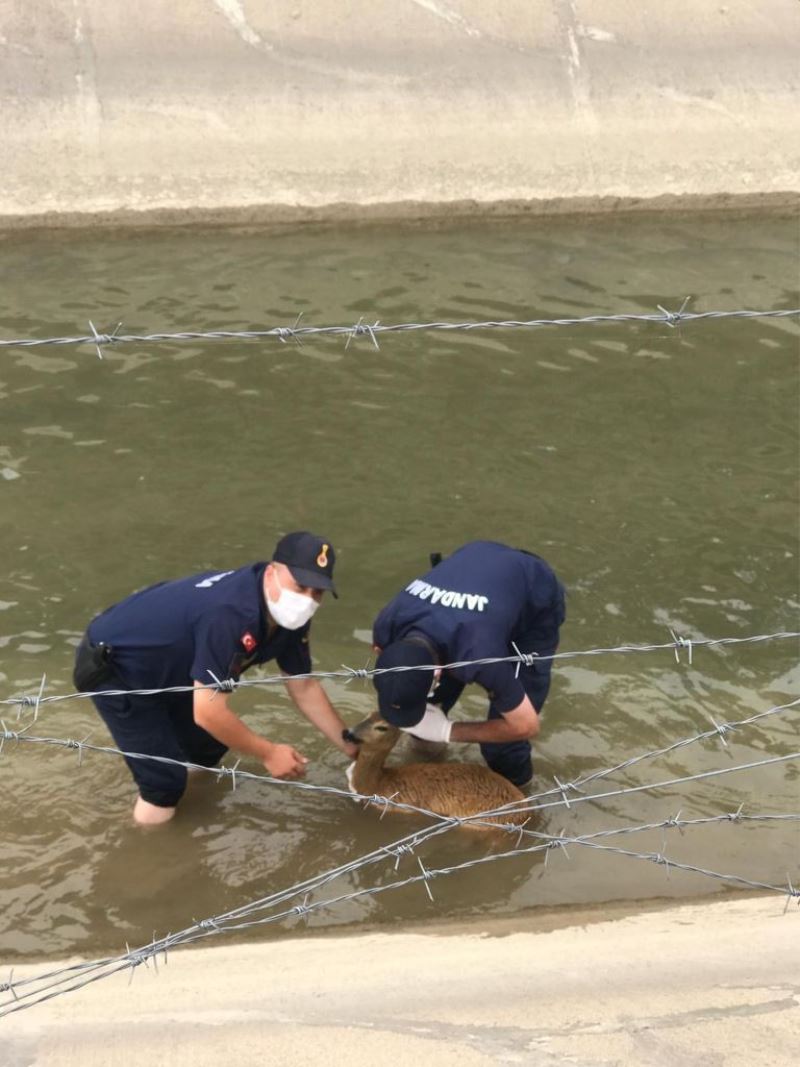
x=212 y=713
x=433 y=726
x=283 y=761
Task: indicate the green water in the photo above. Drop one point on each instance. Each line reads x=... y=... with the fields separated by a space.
x=656 y=469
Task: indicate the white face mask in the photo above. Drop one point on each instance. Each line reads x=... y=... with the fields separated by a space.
x=291 y=610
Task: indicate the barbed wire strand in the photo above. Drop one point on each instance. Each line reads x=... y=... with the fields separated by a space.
x=718 y=730
x=561 y=789
x=241 y=920
x=221 y=924
x=515 y=807
x=446 y=822
x=394 y=849
x=372 y=330
x=528 y=805
x=443 y=824
x=348 y=674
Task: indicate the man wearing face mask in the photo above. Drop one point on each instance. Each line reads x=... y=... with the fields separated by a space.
x=199 y=631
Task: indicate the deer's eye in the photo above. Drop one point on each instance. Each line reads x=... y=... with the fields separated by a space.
x=382 y=729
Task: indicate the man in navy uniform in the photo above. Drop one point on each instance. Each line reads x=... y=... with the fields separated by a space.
x=198 y=631
x=486 y=600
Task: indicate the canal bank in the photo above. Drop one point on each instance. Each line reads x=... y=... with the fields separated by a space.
x=691 y=985
x=222 y=110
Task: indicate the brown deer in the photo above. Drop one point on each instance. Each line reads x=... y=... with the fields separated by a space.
x=456 y=789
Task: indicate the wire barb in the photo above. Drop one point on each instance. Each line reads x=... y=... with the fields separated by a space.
x=135 y=958
x=363 y=329
x=398 y=852
x=791 y=893
x=674 y=822
x=387 y=803
x=354 y=672
x=288 y=333
x=103 y=338
x=556 y=842
x=735 y=816
x=232 y=772
x=525 y=659
x=8 y=987
x=31 y=702
x=564 y=787
x=520 y=829
x=662 y=861
x=426 y=877
x=672 y=318
x=722 y=728
x=79 y=746
x=224 y=685
x=682 y=642
x=302 y=910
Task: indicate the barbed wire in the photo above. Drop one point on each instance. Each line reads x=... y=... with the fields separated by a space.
x=54 y=983
x=720 y=730
x=372 y=330
x=534 y=803
x=485 y=818
x=235 y=920
x=349 y=674
x=529 y=803
x=240 y=918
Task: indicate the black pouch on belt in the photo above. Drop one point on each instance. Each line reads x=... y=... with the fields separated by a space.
x=92 y=665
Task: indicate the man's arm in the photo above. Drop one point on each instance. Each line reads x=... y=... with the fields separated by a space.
x=312 y=700
x=521 y=723
x=212 y=713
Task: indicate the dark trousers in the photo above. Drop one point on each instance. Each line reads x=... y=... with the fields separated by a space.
x=161 y=725
x=513 y=759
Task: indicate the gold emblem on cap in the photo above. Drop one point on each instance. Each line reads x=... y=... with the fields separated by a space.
x=322 y=558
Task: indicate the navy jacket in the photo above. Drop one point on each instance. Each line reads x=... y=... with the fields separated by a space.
x=477 y=603
x=181 y=631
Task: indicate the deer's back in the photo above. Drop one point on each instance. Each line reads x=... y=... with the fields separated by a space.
x=457 y=789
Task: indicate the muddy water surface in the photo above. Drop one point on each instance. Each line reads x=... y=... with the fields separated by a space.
x=656 y=468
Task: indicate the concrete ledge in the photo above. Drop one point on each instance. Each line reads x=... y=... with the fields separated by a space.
x=339 y=109
x=408 y=211
x=694 y=985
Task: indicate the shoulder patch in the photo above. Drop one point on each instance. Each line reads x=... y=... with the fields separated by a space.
x=248 y=641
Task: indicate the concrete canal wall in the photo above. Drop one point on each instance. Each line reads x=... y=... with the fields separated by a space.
x=234 y=110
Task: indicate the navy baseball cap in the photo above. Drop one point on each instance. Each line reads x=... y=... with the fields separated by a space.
x=310 y=559
x=402 y=695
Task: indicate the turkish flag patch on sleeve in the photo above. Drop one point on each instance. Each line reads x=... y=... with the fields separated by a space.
x=248 y=641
